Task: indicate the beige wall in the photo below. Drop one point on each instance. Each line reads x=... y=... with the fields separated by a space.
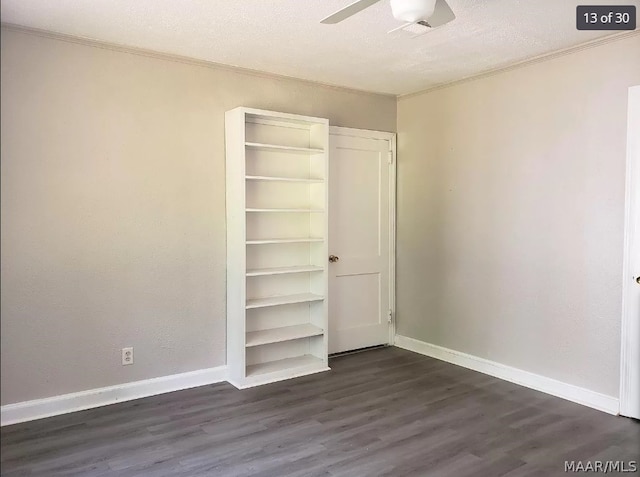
x=510 y=211
x=113 y=229
x=510 y=215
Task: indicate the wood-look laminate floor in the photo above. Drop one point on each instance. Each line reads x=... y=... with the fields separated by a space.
x=385 y=412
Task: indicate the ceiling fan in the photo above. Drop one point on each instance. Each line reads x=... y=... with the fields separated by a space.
x=428 y=13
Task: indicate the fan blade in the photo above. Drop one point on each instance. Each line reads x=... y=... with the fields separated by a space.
x=349 y=10
x=404 y=25
x=441 y=14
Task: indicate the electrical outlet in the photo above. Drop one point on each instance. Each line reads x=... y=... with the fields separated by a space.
x=127 y=356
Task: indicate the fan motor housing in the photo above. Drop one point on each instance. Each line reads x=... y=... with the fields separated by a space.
x=412 y=10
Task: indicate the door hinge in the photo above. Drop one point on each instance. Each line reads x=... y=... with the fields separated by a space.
x=390 y=317
x=390 y=157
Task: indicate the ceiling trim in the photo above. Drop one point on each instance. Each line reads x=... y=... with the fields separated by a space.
x=178 y=58
x=530 y=61
x=263 y=74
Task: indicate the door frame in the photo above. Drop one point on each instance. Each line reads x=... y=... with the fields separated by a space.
x=630 y=341
x=391 y=137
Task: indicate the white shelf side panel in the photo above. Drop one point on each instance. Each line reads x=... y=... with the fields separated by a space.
x=236 y=236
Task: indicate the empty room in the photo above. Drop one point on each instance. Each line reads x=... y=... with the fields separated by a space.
x=320 y=238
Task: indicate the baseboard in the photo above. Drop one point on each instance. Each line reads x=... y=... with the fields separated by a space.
x=66 y=403
x=586 y=397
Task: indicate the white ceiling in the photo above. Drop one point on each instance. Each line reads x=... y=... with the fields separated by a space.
x=285 y=36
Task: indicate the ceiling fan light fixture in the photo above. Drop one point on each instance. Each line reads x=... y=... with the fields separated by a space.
x=412 y=11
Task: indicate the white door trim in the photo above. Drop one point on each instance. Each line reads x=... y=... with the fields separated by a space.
x=391 y=137
x=630 y=340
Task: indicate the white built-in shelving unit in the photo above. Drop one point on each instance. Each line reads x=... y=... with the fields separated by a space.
x=276 y=245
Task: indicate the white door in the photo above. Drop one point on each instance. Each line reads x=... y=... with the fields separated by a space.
x=630 y=368
x=361 y=211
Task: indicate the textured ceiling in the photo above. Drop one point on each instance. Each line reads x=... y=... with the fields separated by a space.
x=286 y=37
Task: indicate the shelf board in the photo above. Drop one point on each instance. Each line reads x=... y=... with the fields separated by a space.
x=285 y=240
x=277 y=148
x=284 y=365
x=284 y=179
x=283 y=300
x=270 y=118
x=285 y=210
x=257 y=272
x=284 y=333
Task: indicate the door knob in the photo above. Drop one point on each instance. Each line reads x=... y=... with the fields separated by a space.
x=333 y=258
x=638 y=280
